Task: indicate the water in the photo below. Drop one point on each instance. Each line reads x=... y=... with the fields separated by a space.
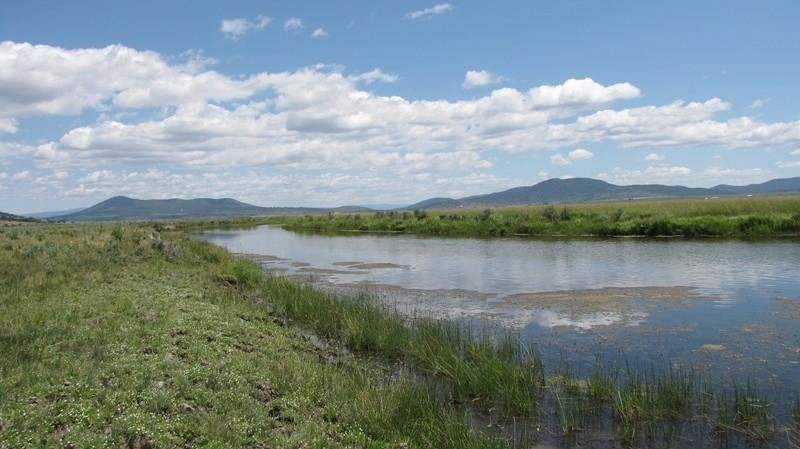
x=727 y=308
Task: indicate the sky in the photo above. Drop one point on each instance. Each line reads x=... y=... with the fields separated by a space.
x=321 y=103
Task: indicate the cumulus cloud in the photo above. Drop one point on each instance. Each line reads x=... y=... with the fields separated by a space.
x=475 y=78
x=319 y=32
x=40 y=80
x=654 y=157
x=578 y=154
x=293 y=23
x=759 y=103
x=795 y=152
x=427 y=13
x=790 y=164
x=324 y=118
x=236 y=28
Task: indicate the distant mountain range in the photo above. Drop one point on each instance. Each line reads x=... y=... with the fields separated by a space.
x=122 y=208
x=576 y=190
x=584 y=190
x=55 y=213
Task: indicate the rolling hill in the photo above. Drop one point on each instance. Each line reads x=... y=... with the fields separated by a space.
x=584 y=190
x=121 y=208
x=6 y=217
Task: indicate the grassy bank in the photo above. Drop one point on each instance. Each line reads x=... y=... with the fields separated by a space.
x=725 y=217
x=115 y=337
x=124 y=336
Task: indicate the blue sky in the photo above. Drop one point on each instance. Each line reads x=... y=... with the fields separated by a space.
x=330 y=103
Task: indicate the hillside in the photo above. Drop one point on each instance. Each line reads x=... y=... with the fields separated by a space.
x=122 y=208
x=6 y=217
x=584 y=190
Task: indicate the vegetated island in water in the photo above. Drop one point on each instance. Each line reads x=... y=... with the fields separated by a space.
x=770 y=216
x=135 y=336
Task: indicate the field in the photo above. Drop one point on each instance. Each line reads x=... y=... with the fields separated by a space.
x=722 y=217
x=137 y=336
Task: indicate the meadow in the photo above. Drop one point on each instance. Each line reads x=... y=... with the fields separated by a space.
x=139 y=336
x=722 y=217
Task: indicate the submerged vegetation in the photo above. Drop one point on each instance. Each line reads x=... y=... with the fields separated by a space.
x=724 y=217
x=137 y=336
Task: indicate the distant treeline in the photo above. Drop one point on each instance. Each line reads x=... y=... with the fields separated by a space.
x=733 y=218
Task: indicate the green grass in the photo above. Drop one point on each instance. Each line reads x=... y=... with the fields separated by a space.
x=123 y=336
x=727 y=217
x=114 y=337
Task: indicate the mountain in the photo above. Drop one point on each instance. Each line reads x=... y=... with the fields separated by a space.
x=6 y=217
x=584 y=190
x=121 y=208
x=58 y=213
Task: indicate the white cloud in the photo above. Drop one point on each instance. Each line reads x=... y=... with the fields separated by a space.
x=323 y=118
x=293 y=23
x=582 y=91
x=236 y=28
x=319 y=32
x=759 y=103
x=475 y=78
x=791 y=164
x=654 y=157
x=44 y=80
x=795 y=152
x=430 y=12
x=580 y=154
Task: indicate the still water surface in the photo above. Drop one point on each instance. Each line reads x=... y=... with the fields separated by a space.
x=730 y=308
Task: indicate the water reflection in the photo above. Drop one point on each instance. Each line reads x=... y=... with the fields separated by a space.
x=672 y=296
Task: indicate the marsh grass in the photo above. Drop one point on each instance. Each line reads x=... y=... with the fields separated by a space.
x=746 y=412
x=726 y=217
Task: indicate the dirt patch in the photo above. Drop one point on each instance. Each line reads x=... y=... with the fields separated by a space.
x=300 y=264
x=347 y=263
x=265 y=392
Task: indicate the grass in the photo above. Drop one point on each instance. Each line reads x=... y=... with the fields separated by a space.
x=129 y=336
x=726 y=217
x=111 y=336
